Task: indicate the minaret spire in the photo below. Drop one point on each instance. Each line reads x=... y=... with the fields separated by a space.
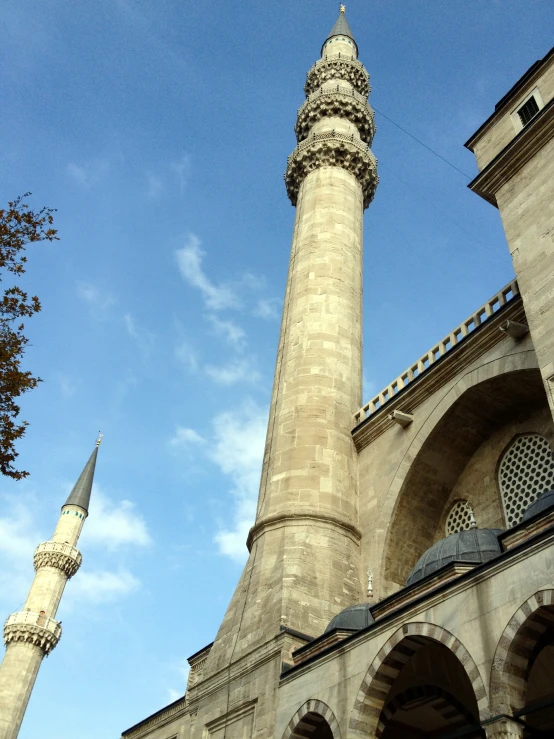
x=304 y=563
x=32 y=633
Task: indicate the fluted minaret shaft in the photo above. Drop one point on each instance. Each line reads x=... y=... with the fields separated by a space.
x=304 y=564
x=33 y=632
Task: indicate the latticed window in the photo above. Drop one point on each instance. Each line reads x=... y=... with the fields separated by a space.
x=526 y=471
x=460 y=517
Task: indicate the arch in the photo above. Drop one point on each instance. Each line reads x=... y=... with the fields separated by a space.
x=515 y=649
x=366 y=718
x=310 y=714
x=490 y=392
x=443 y=702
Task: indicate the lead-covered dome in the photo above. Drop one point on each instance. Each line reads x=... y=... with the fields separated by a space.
x=352 y=618
x=472 y=545
x=541 y=504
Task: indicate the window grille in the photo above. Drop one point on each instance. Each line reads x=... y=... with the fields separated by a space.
x=460 y=517
x=526 y=471
x=528 y=111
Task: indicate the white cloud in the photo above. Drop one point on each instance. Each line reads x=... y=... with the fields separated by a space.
x=113 y=525
x=368 y=388
x=182 y=168
x=68 y=386
x=239 y=439
x=101 y=586
x=187 y=355
x=143 y=338
x=100 y=302
x=237 y=370
x=234 y=334
x=189 y=260
x=268 y=308
x=19 y=536
x=90 y=173
x=184 y=438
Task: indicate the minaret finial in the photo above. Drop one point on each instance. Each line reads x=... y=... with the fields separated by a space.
x=343 y=8
x=99 y=439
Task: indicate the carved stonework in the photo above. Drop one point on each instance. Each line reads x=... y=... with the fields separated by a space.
x=63 y=557
x=332 y=150
x=349 y=70
x=32 y=628
x=504 y=728
x=339 y=103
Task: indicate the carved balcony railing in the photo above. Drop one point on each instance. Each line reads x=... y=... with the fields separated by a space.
x=338 y=67
x=332 y=90
x=504 y=296
x=33 y=628
x=58 y=554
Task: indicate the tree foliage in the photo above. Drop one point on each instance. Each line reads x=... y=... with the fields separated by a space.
x=19 y=226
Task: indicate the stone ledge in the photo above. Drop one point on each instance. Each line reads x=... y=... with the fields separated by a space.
x=349 y=70
x=62 y=556
x=339 y=103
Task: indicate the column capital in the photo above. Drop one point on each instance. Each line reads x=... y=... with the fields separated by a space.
x=60 y=555
x=504 y=728
x=32 y=628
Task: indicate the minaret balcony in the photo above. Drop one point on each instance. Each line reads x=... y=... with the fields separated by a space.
x=32 y=628
x=332 y=149
x=338 y=68
x=341 y=102
x=58 y=554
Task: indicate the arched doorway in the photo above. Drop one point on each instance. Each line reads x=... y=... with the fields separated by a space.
x=522 y=680
x=422 y=683
x=313 y=720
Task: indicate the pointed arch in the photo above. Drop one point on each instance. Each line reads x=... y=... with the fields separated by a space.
x=309 y=714
x=515 y=649
x=366 y=719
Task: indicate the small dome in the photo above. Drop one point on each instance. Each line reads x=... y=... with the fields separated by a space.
x=470 y=545
x=353 y=618
x=541 y=504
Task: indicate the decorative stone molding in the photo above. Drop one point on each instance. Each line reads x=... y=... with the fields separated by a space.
x=332 y=150
x=62 y=556
x=349 y=70
x=32 y=628
x=341 y=102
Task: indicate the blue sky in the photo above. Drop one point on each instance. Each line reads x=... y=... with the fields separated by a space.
x=160 y=131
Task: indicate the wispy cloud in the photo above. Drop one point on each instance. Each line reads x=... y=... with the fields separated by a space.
x=19 y=535
x=101 y=586
x=185 y=438
x=154 y=186
x=114 y=524
x=189 y=260
x=235 y=371
x=187 y=355
x=90 y=173
x=233 y=334
x=100 y=302
x=268 y=308
x=181 y=168
x=142 y=337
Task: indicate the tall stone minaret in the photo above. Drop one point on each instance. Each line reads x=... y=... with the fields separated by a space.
x=304 y=563
x=33 y=632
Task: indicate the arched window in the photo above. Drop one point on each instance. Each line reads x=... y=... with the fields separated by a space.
x=526 y=470
x=460 y=517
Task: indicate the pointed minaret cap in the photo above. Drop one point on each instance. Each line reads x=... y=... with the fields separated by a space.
x=80 y=495
x=341 y=28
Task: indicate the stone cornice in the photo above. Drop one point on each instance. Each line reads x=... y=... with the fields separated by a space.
x=474 y=346
x=349 y=70
x=339 y=102
x=32 y=628
x=299 y=517
x=514 y=156
x=62 y=556
x=332 y=150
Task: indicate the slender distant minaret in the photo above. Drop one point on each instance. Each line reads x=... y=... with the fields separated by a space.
x=305 y=564
x=32 y=633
